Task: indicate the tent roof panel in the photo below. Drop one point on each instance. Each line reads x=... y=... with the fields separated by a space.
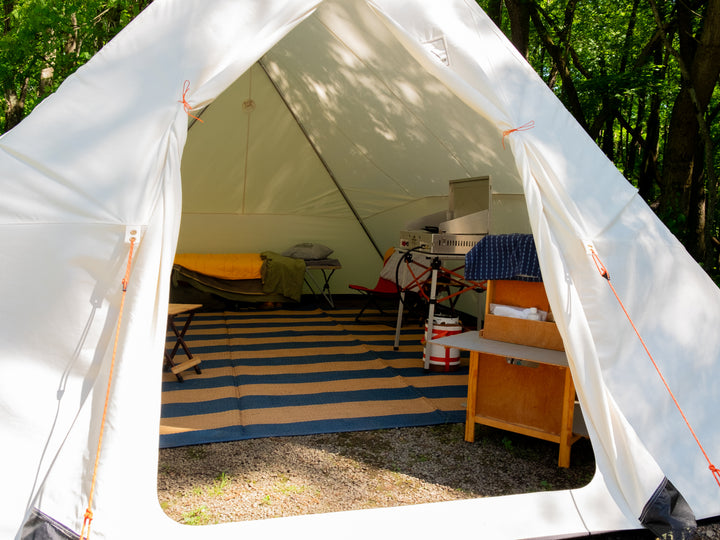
x=376 y=116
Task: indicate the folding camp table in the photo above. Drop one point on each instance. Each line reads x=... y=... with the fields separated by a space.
x=191 y=362
x=327 y=267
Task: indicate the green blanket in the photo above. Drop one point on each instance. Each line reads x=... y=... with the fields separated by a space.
x=283 y=275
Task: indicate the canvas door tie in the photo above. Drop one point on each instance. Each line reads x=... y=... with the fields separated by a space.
x=605 y=274
x=525 y=127
x=186 y=105
x=85 y=533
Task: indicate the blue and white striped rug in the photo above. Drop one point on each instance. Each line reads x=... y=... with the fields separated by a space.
x=300 y=372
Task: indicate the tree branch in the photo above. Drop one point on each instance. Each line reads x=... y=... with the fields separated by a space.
x=561 y=65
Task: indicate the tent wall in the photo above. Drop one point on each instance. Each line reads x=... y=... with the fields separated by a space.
x=397 y=97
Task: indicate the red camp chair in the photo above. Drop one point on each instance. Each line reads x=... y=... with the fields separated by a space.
x=415 y=301
x=384 y=289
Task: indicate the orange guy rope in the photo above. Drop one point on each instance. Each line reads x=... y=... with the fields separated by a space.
x=604 y=273
x=88 y=513
x=525 y=127
x=186 y=105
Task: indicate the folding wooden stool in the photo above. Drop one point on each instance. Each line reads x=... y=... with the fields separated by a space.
x=191 y=362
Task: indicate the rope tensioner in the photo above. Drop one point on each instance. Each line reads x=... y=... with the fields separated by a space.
x=186 y=105
x=604 y=273
x=525 y=127
x=88 y=517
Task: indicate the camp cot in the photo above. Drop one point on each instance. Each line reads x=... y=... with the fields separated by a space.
x=226 y=125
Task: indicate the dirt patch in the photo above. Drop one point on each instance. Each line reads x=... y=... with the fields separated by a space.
x=287 y=476
x=274 y=477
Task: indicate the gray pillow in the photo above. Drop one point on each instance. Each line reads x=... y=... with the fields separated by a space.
x=308 y=251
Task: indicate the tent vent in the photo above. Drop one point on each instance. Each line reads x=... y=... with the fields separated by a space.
x=438 y=47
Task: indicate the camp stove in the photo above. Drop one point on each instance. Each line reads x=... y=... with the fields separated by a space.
x=457 y=230
x=439 y=243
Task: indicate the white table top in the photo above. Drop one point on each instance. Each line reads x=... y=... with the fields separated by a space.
x=446 y=256
x=323 y=264
x=471 y=341
x=177 y=309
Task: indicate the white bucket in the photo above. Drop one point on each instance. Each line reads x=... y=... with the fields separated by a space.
x=443 y=358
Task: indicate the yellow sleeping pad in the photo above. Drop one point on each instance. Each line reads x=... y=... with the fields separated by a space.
x=222 y=265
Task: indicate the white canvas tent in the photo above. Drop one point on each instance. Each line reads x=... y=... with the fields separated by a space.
x=329 y=121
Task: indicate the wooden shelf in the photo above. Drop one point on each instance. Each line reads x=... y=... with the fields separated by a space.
x=518 y=388
x=520 y=294
x=519 y=380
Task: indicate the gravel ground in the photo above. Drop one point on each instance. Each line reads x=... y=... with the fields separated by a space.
x=274 y=477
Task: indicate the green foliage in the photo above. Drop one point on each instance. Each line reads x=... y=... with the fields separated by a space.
x=626 y=79
x=546 y=486
x=508 y=444
x=219 y=486
x=44 y=41
x=197 y=516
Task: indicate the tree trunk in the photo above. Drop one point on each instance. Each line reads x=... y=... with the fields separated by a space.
x=71 y=45
x=15 y=106
x=706 y=69
x=494 y=11
x=8 y=6
x=563 y=69
x=697 y=216
x=519 y=24
x=648 y=176
x=681 y=183
x=46 y=78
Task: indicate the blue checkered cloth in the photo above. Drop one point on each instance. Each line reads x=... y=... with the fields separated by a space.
x=503 y=256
